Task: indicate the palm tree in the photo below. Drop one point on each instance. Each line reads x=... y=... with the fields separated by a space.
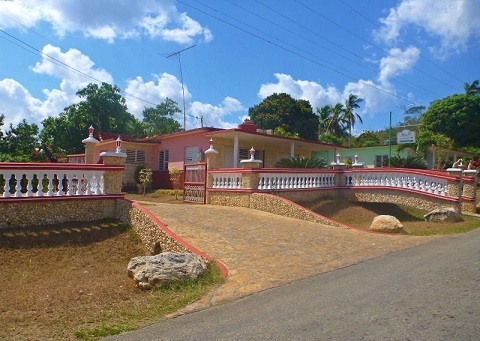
x=349 y=114
x=472 y=89
x=337 y=121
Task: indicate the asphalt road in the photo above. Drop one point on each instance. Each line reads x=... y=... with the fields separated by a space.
x=429 y=292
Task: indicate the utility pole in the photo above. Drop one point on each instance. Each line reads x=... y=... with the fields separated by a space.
x=177 y=54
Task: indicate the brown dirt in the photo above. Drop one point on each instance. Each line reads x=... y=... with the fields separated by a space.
x=58 y=279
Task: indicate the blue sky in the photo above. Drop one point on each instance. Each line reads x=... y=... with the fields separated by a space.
x=390 y=53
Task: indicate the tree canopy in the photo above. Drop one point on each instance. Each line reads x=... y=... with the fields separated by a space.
x=293 y=116
x=457 y=117
x=101 y=106
x=159 y=120
x=20 y=143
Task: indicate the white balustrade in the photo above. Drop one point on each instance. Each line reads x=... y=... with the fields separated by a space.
x=421 y=183
x=49 y=183
x=227 y=180
x=277 y=181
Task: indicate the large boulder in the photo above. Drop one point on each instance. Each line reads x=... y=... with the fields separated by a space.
x=386 y=223
x=164 y=268
x=443 y=215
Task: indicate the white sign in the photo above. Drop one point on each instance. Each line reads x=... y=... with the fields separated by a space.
x=406 y=136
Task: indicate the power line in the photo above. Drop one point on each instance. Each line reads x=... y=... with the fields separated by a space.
x=295 y=52
x=32 y=49
x=368 y=42
x=379 y=27
x=397 y=80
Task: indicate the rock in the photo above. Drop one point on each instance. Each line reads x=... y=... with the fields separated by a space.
x=386 y=223
x=164 y=268
x=443 y=215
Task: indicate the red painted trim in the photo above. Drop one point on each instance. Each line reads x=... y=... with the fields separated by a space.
x=433 y=173
x=60 y=198
x=58 y=166
x=163 y=227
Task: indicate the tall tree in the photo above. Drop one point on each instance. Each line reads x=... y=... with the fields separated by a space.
x=159 y=120
x=472 y=89
x=457 y=117
x=103 y=106
x=331 y=120
x=350 y=116
x=21 y=143
x=281 y=110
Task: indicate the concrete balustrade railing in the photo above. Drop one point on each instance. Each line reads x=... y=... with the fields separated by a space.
x=44 y=180
x=279 y=181
x=377 y=184
x=408 y=179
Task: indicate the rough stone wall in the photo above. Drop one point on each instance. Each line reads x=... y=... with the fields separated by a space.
x=396 y=197
x=152 y=236
x=236 y=199
x=47 y=212
x=278 y=205
x=112 y=182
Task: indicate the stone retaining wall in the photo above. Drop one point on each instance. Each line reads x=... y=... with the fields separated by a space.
x=153 y=234
x=48 y=211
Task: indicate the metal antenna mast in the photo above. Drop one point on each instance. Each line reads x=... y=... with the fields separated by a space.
x=177 y=54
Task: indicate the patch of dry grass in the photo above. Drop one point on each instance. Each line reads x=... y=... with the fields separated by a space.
x=69 y=281
x=361 y=214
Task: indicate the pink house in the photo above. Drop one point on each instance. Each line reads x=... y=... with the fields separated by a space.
x=164 y=152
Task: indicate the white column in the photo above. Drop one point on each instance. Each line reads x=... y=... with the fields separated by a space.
x=235 y=151
x=292 y=149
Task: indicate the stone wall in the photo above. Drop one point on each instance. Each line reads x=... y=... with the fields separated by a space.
x=284 y=207
x=154 y=235
x=411 y=199
x=55 y=210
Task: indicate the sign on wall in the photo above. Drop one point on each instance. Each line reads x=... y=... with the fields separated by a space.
x=406 y=136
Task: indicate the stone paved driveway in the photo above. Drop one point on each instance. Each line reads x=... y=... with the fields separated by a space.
x=263 y=250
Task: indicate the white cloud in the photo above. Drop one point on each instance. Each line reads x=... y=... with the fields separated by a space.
x=377 y=98
x=106 y=19
x=454 y=22
x=17 y=103
x=398 y=62
x=315 y=93
x=214 y=115
x=71 y=65
x=141 y=94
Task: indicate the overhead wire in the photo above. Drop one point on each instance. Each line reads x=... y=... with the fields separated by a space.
x=369 y=42
x=379 y=27
x=314 y=61
x=339 y=46
x=32 y=49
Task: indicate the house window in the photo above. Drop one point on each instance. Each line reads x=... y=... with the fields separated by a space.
x=381 y=160
x=163 y=160
x=135 y=156
x=191 y=154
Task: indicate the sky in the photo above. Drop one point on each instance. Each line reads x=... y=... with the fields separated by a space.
x=218 y=58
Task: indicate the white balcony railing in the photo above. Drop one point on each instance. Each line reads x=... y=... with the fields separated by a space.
x=41 y=180
x=276 y=181
x=227 y=180
x=416 y=182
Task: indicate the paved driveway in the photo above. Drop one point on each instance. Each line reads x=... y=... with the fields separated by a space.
x=263 y=250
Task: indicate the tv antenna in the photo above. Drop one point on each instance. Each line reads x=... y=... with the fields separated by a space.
x=177 y=55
